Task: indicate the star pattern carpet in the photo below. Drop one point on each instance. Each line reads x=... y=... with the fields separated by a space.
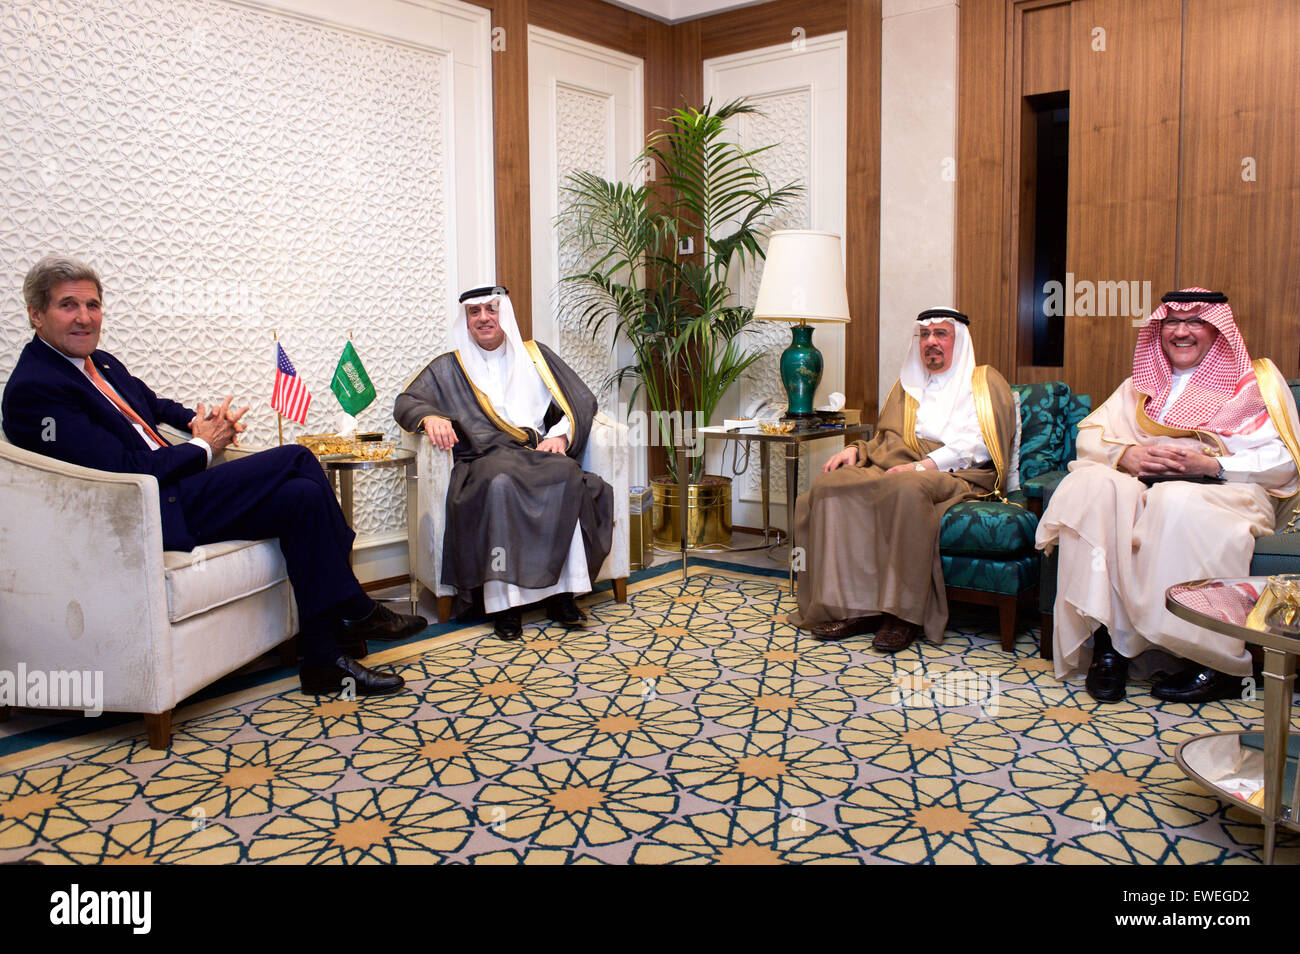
x=690 y=725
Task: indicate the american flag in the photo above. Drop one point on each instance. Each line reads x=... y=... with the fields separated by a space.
x=290 y=396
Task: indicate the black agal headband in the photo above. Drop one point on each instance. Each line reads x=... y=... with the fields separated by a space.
x=1187 y=297
x=944 y=314
x=483 y=292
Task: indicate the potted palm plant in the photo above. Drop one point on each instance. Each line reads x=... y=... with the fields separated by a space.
x=658 y=259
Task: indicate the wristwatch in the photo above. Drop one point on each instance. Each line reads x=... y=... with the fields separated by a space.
x=1219 y=475
x=920 y=466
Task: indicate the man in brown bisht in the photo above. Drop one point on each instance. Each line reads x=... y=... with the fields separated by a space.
x=870 y=525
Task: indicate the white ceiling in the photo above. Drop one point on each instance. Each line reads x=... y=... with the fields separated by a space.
x=672 y=11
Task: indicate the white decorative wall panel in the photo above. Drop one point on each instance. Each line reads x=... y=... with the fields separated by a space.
x=785 y=120
x=585 y=113
x=800 y=90
x=234 y=171
x=584 y=128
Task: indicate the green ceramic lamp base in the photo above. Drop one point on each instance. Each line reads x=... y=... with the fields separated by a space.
x=801 y=372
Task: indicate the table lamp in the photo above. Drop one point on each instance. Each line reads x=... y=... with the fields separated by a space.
x=803 y=281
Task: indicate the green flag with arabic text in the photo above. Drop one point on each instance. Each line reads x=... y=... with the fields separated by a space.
x=351 y=384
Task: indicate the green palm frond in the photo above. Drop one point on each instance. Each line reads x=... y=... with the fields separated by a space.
x=676 y=312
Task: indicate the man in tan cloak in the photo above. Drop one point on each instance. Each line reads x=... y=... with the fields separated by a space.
x=871 y=522
x=1211 y=434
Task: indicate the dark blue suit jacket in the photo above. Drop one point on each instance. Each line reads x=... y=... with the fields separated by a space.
x=51 y=408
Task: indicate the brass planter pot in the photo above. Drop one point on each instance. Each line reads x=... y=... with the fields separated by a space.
x=708 y=514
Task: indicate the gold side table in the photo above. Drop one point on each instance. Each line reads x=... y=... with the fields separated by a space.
x=1240 y=608
x=341 y=471
x=792 y=442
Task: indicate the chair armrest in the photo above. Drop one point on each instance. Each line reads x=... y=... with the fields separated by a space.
x=1043 y=485
x=81 y=577
x=433 y=472
x=608 y=455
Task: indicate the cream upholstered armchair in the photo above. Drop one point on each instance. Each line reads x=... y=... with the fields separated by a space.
x=608 y=455
x=85 y=587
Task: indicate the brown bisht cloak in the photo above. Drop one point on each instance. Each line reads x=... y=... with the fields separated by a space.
x=511 y=509
x=871 y=541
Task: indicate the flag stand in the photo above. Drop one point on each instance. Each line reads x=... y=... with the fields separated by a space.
x=279 y=418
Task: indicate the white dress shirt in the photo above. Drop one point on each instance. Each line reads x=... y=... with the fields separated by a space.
x=498 y=372
x=965 y=445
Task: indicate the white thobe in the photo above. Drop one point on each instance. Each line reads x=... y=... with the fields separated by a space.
x=1121 y=544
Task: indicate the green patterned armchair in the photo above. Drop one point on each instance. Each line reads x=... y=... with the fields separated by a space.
x=987 y=546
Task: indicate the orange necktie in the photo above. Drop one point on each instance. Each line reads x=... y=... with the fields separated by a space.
x=121 y=405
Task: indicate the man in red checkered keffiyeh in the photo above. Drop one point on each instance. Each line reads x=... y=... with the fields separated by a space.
x=1221 y=395
x=1178 y=473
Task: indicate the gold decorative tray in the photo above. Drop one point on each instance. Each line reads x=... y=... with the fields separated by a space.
x=338 y=447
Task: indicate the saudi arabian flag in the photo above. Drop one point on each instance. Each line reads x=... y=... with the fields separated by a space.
x=351 y=384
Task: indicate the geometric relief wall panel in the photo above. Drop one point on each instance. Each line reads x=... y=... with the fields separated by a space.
x=786 y=121
x=584 y=130
x=232 y=172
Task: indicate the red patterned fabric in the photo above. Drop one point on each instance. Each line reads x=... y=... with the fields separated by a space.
x=1230 y=603
x=1222 y=395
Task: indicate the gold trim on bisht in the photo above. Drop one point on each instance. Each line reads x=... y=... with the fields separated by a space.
x=979 y=386
x=909 y=426
x=539 y=361
x=486 y=404
x=1267 y=377
x=1161 y=430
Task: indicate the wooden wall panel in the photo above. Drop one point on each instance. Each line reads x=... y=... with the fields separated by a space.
x=1045 y=49
x=862 y=220
x=752 y=28
x=510 y=128
x=593 y=21
x=982 y=252
x=1123 y=200
x=1240 y=94
x=674 y=76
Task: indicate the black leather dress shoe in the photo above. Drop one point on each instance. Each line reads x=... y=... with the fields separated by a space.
x=508 y=624
x=382 y=623
x=318 y=680
x=1107 y=676
x=563 y=610
x=1201 y=684
x=838 y=629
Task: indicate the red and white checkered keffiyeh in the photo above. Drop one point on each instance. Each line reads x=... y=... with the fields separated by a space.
x=1222 y=395
x=1230 y=602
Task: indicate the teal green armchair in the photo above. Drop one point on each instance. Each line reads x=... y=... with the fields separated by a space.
x=986 y=547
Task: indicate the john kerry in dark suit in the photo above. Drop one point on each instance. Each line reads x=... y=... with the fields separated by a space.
x=68 y=400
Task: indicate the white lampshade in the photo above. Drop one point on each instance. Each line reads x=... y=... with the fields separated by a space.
x=803 y=278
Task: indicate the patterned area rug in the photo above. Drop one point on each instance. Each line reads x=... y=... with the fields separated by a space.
x=689 y=725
